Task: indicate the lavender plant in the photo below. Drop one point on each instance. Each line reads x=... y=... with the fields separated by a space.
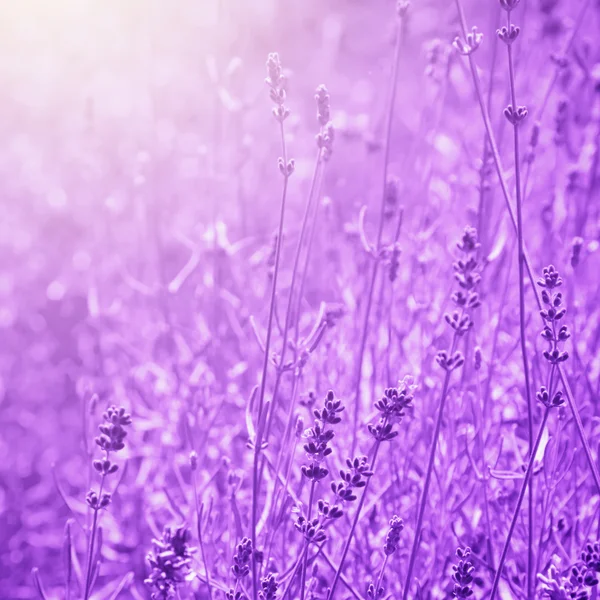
x=391 y=408
x=170 y=563
x=502 y=180
x=276 y=82
x=579 y=583
x=111 y=440
x=466 y=299
x=401 y=10
x=515 y=115
x=317 y=450
x=148 y=251
x=392 y=541
x=549 y=396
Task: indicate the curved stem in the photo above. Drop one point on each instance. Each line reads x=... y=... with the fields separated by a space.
x=479 y=416
x=518 y=506
x=314 y=185
x=199 y=515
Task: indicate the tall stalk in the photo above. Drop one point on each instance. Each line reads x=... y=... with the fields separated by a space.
x=276 y=83
x=515 y=115
x=402 y=9
x=466 y=298
x=325 y=147
x=286 y=326
x=555 y=335
x=309 y=247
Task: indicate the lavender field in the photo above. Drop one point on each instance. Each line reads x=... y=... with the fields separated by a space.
x=300 y=300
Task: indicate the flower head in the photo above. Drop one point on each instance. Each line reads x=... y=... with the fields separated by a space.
x=170 y=563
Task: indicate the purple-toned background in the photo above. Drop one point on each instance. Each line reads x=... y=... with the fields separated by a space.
x=140 y=241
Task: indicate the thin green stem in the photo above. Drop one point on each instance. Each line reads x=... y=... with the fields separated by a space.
x=549 y=492
x=276 y=491
x=486 y=152
x=515 y=516
x=314 y=186
x=279 y=515
x=311 y=238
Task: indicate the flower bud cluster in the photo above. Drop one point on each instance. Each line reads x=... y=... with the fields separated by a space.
x=359 y=470
x=517 y=115
x=552 y=313
x=392 y=540
x=112 y=432
x=508 y=34
x=111 y=439
x=170 y=563
x=326 y=134
x=553 y=332
x=317 y=450
x=318 y=437
x=468 y=46
x=465 y=298
x=277 y=83
x=312 y=530
x=463 y=574
x=268 y=587
x=242 y=559
x=391 y=407
x=580 y=580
